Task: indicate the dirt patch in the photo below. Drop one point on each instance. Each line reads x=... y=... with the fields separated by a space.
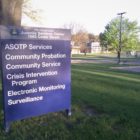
x=90 y=111
x=117 y=127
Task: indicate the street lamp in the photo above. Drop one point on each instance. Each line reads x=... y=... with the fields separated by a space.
x=120 y=36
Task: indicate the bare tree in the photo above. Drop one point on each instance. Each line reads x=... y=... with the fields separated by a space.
x=80 y=36
x=31 y=12
x=81 y=39
x=75 y=27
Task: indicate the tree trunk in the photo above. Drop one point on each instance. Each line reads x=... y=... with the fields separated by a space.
x=11 y=11
x=85 y=53
x=119 y=56
x=0 y=11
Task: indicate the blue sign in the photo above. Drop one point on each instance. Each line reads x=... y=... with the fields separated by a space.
x=36 y=74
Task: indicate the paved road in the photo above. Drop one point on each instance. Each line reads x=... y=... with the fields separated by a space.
x=128 y=68
x=132 y=68
x=74 y=61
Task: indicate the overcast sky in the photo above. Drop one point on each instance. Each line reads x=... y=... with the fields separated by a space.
x=92 y=14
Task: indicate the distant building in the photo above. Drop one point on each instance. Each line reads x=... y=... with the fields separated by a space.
x=91 y=47
x=75 y=50
x=95 y=47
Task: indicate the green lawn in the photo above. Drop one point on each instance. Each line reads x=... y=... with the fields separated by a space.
x=105 y=106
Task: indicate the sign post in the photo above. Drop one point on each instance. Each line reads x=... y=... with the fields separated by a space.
x=36 y=74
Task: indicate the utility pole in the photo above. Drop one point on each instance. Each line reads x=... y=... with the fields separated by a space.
x=120 y=36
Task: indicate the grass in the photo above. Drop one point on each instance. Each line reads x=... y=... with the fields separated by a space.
x=105 y=106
